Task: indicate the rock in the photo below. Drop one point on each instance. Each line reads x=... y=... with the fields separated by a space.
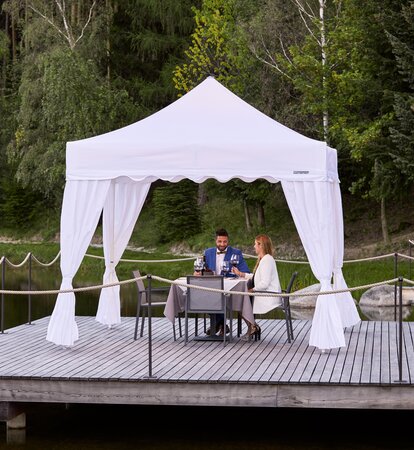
x=306 y=301
x=408 y=295
x=379 y=296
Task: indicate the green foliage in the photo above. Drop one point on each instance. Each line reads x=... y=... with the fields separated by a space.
x=402 y=133
x=176 y=211
x=148 y=38
x=18 y=207
x=215 y=49
x=63 y=98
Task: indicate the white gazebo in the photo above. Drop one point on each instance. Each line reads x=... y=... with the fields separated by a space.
x=207 y=133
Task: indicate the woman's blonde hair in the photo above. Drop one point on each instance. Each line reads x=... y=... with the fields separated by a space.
x=267 y=246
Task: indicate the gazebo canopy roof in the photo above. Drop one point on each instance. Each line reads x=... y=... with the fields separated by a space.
x=207 y=133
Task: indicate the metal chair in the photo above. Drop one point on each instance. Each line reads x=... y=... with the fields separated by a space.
x=285 y=306
x=142 y=304
x=200 y=301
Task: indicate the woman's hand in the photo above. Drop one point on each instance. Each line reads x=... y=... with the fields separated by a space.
x=237 y=272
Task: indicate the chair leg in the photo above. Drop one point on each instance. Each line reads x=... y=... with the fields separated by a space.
x=290 y=322
x=137 y=320
x=174 y=333
x=239 y=324
x=144 y=313
x=179 y=324
x=286 y=312
x=186 y=328
x=196 y=325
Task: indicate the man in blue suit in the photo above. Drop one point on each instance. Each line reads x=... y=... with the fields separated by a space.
x=214 y=258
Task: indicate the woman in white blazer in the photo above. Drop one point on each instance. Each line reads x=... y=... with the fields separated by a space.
x=265 y=278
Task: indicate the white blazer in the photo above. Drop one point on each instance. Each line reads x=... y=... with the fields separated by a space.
x=266 y=278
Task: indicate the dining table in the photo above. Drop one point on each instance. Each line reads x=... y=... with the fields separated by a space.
x=240 y=303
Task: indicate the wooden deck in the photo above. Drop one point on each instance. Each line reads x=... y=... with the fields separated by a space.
x=108 y=366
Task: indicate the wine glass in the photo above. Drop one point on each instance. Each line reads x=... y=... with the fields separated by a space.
x=198 y=264
x=234 y=261
x=225 y=268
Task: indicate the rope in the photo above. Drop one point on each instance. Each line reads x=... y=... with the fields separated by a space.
x=16 y=266
x=372 y=258
x=405 y=256
x=67 y=291
x=46 y=264
x=179 y=283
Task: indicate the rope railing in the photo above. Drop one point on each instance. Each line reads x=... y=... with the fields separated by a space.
x=180 y=283
x=189 y=258
x=46 y=264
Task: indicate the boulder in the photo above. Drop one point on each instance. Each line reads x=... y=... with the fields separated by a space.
x=379 y=296
x=306 y=301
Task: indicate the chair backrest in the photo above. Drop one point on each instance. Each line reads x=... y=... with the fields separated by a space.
x=140 y=286
x=199 y=300
x=291 y=281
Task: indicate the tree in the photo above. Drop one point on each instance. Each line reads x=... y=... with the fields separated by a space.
x=216 y=49
x=148 y=39
x=176 y=211
x=62 y=97
x=402 y=132
x=362 y=86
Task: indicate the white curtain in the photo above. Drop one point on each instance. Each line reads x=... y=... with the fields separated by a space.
x=122 y=207
x=346 y=305
x=312 y=207
x=82 y=205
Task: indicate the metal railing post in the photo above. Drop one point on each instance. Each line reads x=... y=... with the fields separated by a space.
x=410 y=244
x=395 y=285
x=29 y=299
x=149 y=288
x=3 y=283
x=400 y=332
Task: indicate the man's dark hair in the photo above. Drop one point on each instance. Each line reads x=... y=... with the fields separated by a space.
x=222 y=232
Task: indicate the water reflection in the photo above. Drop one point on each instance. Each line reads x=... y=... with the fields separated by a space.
x=385 y=313
x=16 y=307
x=115 y=427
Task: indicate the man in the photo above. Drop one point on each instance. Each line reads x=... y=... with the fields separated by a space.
x=214 y=258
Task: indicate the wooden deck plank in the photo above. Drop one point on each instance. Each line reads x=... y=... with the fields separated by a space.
x=125 y=353
x=35 y=354
x=367 y=357
x=394 y=355
x=336 y=373
x=271 y=346
x=385 y=356
x=62 y=359
x=240 y=365
x=290 y=362
x=277 y=365
x=355 y=374
x=375 y=375
x=352 y=350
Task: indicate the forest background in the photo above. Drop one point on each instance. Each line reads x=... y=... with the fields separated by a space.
x=335 y=70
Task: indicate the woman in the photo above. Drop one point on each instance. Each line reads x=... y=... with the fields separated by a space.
x=265 y=278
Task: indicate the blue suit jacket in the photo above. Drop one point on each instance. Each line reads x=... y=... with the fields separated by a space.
x=210 y=255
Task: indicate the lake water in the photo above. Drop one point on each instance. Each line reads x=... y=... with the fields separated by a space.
x=90 y=427
x=16 y=307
